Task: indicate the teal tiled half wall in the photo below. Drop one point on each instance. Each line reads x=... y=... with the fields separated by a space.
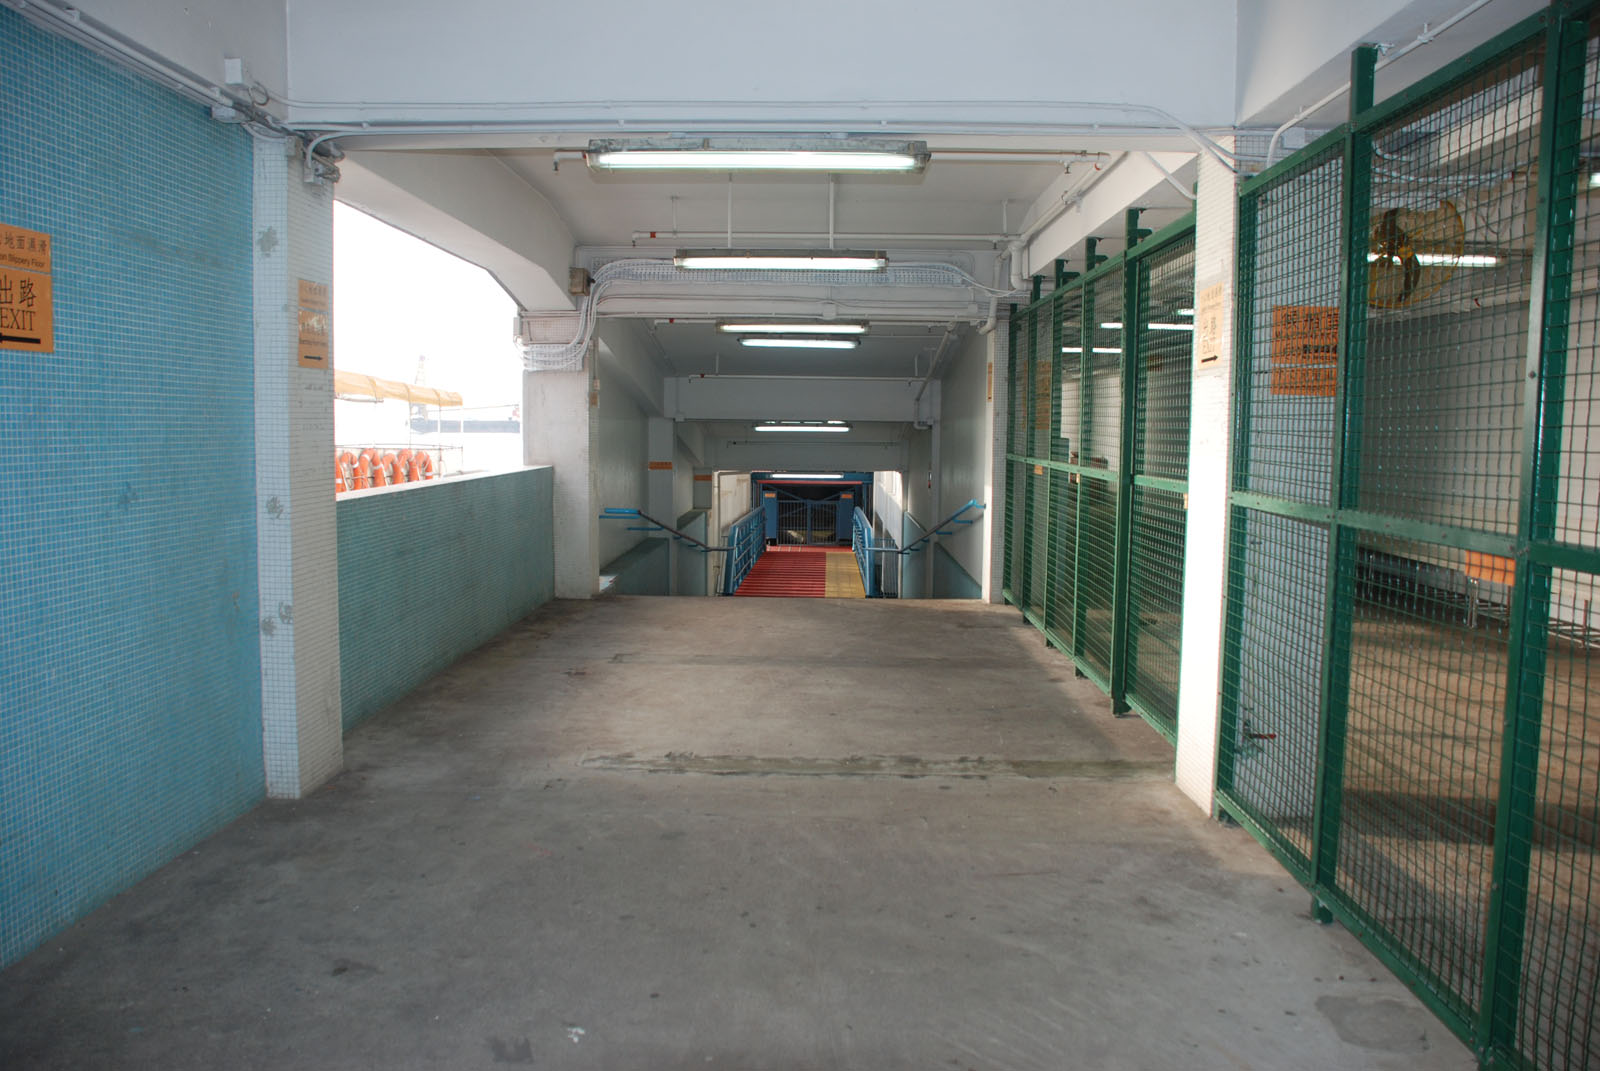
x=428 y=572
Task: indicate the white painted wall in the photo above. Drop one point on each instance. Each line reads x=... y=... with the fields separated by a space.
x=197 y=36
x=965 y=464
x=733 y=59
x=618 y=471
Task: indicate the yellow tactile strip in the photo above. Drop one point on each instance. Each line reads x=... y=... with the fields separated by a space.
x=844 y=577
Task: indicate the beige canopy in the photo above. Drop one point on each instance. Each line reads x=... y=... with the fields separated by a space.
x=365 y=386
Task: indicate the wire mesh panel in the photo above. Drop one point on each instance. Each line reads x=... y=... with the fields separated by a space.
x=1097 y=491
x=1069 y=347
x=1166 y=349
x=1290 y=274
x=1427 y=675
x=1165 y=329
x=1559 y=1010
x=1038 y=539
x=1454 y=187
x=1016 y=525
x=1059 y=618
x=1273 y=670
x=1042 y=366
x=1155 y=601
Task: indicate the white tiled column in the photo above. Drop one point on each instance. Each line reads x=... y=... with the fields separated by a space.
x=297 y=555
x=1206 y=543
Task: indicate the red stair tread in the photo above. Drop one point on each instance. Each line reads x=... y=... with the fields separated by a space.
x=788 y=572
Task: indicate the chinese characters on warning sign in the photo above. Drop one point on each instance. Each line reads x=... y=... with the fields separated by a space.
x=27 y=299
x=1305 y=350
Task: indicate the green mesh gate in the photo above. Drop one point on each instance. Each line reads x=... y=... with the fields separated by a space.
x=1097 y=465
x=1411 y=717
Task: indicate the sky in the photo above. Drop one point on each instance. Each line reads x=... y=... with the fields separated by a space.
x=396 y=298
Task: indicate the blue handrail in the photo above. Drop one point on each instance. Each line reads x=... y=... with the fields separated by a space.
x=862 y=543
x=939 y=529
x=747 y=539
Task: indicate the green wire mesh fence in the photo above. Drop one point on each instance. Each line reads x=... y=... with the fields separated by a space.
x=1411 y=719
x=1070 y=459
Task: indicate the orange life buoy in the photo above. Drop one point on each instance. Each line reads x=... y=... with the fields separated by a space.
x=391 y=469
x=373 y=468
x=403 y=468
x=344 y=471
x=422 y=466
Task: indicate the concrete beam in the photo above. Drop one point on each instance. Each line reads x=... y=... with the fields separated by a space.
x=473 y=206
x=860 y=456
x=795 y=398
x=1132 y=180
x=626 y=350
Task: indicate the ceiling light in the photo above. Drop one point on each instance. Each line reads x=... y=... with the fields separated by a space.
x=1185 y=312
x=1594 y=181
x=754 y=154
x=808 y=475
x=805 y=426
x=784 y=342
x=780 y=260
x=1097 y=349
x=1170 y=327
x=836 y=327
x=1112 y=325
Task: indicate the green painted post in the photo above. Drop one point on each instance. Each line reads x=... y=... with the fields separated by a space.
x=1038 y=285
x=1233 y=620
x=1132 y=233
x=1013 y=395
x=1092 y=259
x=1123 y=543
x=1339 y=597
x=1029 y=327
x=1543 y=399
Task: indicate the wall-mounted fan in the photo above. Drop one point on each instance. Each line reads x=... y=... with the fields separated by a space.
x=1413 y=253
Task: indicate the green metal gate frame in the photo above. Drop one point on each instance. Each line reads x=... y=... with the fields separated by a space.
x=1038 y=481
x=1497 y=1028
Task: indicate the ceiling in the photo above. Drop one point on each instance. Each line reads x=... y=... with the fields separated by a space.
x=974 y=197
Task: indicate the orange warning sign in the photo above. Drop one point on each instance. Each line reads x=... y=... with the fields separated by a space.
x=1305 y=350
x=316 y=325
x=1490 y=567
x=660 y=466
x=27 y=296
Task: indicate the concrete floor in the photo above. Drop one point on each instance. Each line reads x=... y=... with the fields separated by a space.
x=907 y=838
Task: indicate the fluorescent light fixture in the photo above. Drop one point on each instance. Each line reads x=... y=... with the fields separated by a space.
x=1185 y=312
x=758 y=154
x=786 y=342
x=803 y=426
x=1445 y=260
x=1116 y=326
x=832 y=327
x=1097 y=349
x=808 y=475
x=1594 y=181
x=780 y=260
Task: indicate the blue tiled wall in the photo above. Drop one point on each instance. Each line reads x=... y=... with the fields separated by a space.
x=130 y=712
x=427 y=573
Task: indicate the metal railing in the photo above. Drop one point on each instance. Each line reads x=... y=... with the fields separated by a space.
x=740 y=556
x=880 y=573
x=747 y=540
x=863 y=544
